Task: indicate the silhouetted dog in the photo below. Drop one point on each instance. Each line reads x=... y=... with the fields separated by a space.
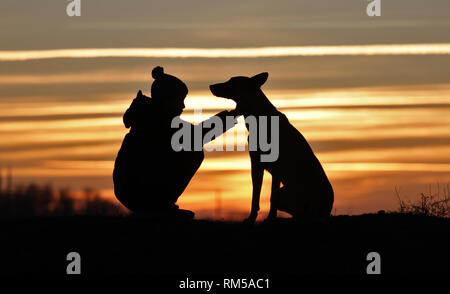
x=306 y=191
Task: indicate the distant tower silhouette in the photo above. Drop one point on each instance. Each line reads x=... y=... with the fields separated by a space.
x=9 y=180
x=218 y=211
x=1 y=179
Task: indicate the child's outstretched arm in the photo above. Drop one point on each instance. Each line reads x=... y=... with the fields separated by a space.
x=220 y=123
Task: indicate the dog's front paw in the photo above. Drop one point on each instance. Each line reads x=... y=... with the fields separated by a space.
x=270 y=220
x=251 y=219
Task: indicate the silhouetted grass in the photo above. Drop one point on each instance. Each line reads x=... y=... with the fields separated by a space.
x=432 y=204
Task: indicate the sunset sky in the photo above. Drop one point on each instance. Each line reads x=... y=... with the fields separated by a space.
x=371 y=95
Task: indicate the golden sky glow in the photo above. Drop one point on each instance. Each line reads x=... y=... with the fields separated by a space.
x=85 y=147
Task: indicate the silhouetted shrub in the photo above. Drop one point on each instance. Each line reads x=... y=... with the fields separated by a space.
x=94 y=204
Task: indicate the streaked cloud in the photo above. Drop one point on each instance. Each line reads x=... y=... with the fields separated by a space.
x=257 y=52
x=258 y=25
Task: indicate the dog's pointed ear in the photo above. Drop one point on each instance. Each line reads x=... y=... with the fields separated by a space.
x=260 y=79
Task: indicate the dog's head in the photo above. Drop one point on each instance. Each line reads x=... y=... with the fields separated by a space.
x=240 y=89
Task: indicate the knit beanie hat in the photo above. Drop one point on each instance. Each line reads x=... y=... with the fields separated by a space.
x=166 y=85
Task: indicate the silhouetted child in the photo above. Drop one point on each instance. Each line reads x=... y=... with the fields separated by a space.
x=149 y=175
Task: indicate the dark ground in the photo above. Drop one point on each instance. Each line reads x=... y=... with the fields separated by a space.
x=132 y=245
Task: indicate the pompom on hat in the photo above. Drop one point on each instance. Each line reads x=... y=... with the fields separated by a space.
x=167 y=86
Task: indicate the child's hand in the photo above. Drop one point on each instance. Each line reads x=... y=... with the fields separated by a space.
x=234 y=112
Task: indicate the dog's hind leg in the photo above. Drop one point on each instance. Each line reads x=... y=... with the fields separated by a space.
x=288 y=200
x=323 y=203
